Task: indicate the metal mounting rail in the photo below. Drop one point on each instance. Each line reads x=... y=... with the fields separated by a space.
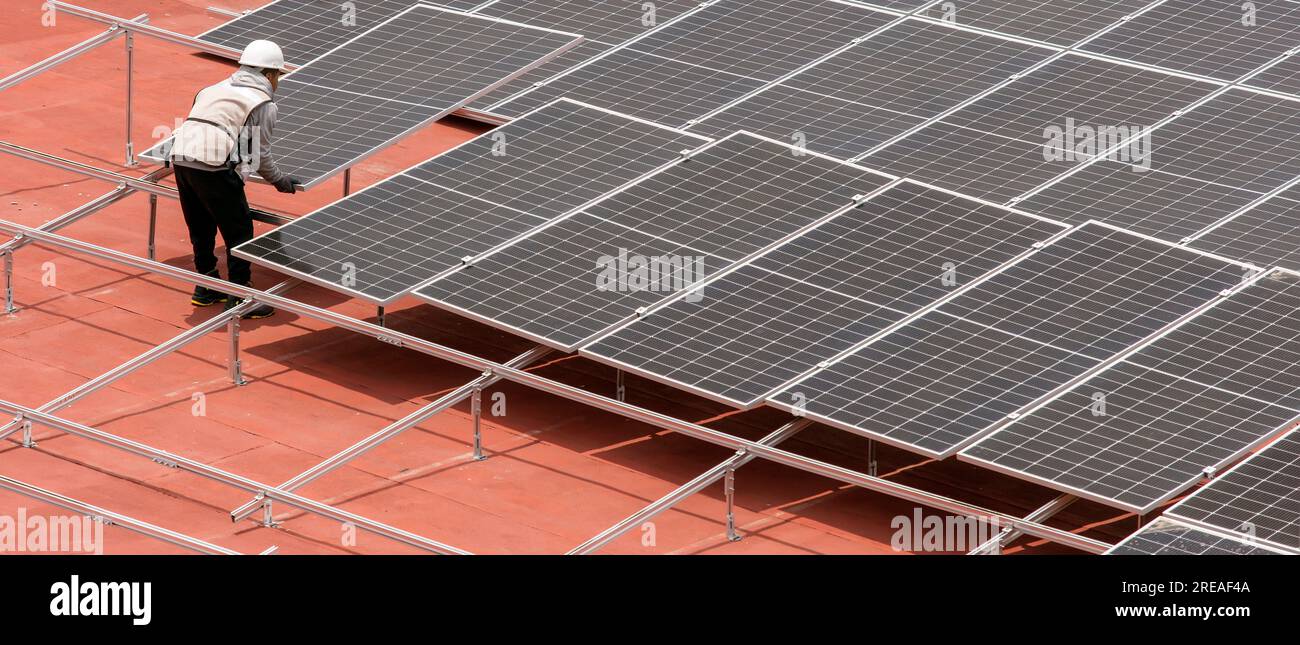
x=227 y=478
x=650 y=417
x=116 y=519
x=706 y=479
x=146 y=184
x=392 y=430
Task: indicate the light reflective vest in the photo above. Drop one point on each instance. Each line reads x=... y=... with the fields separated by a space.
x=211 y=132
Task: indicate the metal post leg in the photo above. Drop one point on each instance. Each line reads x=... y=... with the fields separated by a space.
x=153 y=223
x=130 y=99
x=268 y=517
x=236 y=367
x=379 y=316
x=729 y=484
x=347 y=182
x=28 y=442
x=620 y=390
x=9 y=282
x=871 y=457
x=476 y=406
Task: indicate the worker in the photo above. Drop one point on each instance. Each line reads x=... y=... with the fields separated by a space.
x=226 y=137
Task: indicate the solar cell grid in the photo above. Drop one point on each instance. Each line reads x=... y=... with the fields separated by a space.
x=1004 y=144
x=1261 y=495
x=941 y=381
x=662 y=90
x=431 y=57
x=878 y=89
x=735 y=197
x=1205 y=165
x=821 y=293
x=1156 y=435
x=1166 y=537
x=1196 y=398
x=605 y=23
x=1249 y=343
x=306 y=29
x=1060 y=22
x=1223 y=40
x=725 y=202
x=762 y=39
x=709 y=58
x=1267 y=235
x=394 y=235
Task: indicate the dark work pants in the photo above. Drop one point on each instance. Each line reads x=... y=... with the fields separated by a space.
x=214 y=201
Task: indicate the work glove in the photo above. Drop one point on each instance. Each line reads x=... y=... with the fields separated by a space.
x=287 y=184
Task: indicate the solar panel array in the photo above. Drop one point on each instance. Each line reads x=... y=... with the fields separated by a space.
x=1193 y=401
x=1260 y=497
x=1164 y=536
x=708 y=58
x=419 y=65
x=822 y=293
x=308 y=29
x=385 y=240
x=818 y=290
x=943 y=380
x=697 y=217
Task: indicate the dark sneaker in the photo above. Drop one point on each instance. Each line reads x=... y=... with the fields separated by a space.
x=205 y=297
x=256 y=313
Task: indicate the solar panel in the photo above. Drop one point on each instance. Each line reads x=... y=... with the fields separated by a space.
x=709 y=58
x=1007 y=143
x=1149 y=427
x=726 y=202
x=821 y=293
x=1204 y=165
x=1155 y=437
x=307 y=29
x=385 y=240
x=1222 y=40
x=1164 y=536
x=605 y=23
x=662 y=90
x=1260 y=497
x=877 y=89
x=1282 y=77
x=940 y=381
x=1248 y=343
x=414 y=68
x=1267 y=235
x=1060 y=22
x=762 y=39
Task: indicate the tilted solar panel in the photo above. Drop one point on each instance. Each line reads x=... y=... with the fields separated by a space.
x=1267 y=235
x=605 y=24
x=1259 y=497
x=1060 y=22
x=877 y=89
x=942 y=381
x=307 y=29
x=1164 y=536
x=1150 y=426
x=723 y=204
x=709 y=58
x=381 y=242
x=1203 y=166
x=1223 y=40
x=1025 y=134
x=820 y=294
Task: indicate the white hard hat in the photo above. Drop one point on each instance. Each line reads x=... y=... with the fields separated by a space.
x=264 y=54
